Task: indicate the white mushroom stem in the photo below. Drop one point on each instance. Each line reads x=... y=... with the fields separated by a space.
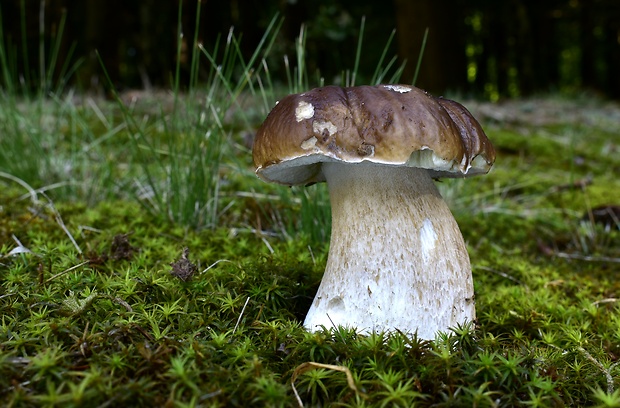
x=397 y=259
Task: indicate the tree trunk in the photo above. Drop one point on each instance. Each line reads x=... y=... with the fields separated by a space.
x=444 y=66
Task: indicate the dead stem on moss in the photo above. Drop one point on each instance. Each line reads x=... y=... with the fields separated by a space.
x=310 y=365
x=32 y=193
x=587 y=258
x=217 y=262
x=603 y=301
x=500 y=273
x=74 y=267
x=600 y=366
x=241 y=315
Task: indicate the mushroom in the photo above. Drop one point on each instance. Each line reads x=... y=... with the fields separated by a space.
x=397 y=259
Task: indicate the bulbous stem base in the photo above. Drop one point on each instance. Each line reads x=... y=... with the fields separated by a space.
x=397 y=259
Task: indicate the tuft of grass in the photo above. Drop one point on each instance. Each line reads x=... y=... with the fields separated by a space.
x=47 y=138
x=50 y=77
x=179 y=155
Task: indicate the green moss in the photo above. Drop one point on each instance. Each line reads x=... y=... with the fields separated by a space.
x=93 y=316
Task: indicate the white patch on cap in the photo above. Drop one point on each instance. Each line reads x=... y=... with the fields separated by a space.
x=303 y=111
x=309 y=143
x=320 y=127
x=428 y=236
x=397 y=88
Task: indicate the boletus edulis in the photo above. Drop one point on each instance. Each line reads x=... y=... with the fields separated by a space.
x=397 y=259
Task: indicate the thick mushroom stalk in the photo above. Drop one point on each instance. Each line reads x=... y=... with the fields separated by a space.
x=397 y=258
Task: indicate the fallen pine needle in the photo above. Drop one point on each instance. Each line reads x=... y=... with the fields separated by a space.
x=602 y=301
x=587 y=257
x=74 y=267
x=241 y=315
x=600 y=366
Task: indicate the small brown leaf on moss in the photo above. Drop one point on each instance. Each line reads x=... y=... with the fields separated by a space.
x=121 y=248
x=183 y=269
x=94 y=259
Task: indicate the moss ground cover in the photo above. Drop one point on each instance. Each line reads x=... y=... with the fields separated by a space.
x=143 y=264
x=103 y=303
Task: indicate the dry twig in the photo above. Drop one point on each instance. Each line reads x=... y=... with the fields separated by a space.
x=302 y=368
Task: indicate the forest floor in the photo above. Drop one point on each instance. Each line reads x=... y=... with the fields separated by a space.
x=101 y=305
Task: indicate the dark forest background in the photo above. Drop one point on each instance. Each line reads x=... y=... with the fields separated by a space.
x=482 y=47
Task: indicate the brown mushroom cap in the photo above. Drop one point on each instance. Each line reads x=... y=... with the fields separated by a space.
x=395 y=125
